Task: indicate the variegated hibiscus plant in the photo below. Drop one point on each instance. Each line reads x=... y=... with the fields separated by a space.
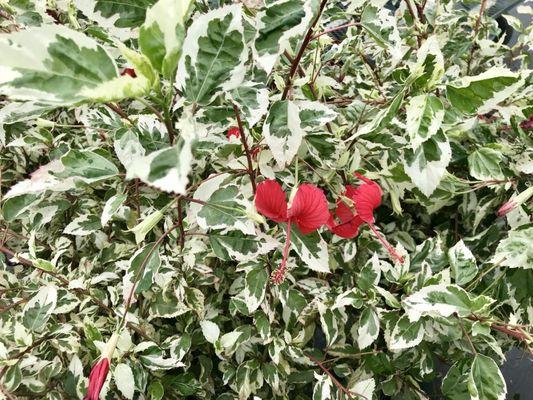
x=269 y=199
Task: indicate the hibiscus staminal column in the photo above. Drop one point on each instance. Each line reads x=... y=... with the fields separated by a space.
x=356 y=208
x=278 y=276
x=392 y=251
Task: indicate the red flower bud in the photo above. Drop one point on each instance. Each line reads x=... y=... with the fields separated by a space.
x=96 y=379
x=99 y=371
x=255 y=152
x=129 y=71
x=233 y=131
x=515 y=201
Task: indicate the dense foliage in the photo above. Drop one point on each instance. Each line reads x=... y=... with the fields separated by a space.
x=134 y=134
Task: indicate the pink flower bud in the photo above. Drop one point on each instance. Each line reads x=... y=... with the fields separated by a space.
x=233 y=131
x=129 y=71
x=100 y=370
x=515 y=201
x=96 y=379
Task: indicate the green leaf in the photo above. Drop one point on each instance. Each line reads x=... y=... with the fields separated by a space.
x=213 y=55
x=484 y=164
x=156 y=390
x=277 y=24
x=83 y=225
x=455 y=383
x=406 y=334
x=282 y=131
x=38 y=310
x=463 y=263
x=480 y=94
x=516 y=250
x=312 y=249
x=252 y=99
x=236 y=246
x=381 y=26
x=323 y=388
x=44 y=178
x=226 y=209
x=426 y=164
x=485 y=381
x=124 y=380
x=165 y=169
x=425 y=114
x=368 y=328
x=87 y=165
x=54 y=65
x=382 y=119
x=255 y=285
x=370 y=274
x=115 y=14
x=148 y=223
x=14 y=207
x=146 y=259
x=184 y=384
x=444 y=300
x=162 y=34
x=112 y=205
x=314 y=115
x=12 y=378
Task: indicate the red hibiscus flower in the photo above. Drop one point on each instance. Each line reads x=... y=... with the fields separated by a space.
x=129 y=71
x=255 y=152
x=99 y=371
x=233 y=131
x=308 y=211
x=347 y=218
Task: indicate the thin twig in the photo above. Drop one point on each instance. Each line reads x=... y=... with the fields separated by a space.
x=476 y=30
x=12 y=305
x=335 y=28
x=116 y=108
x=22 y=353
x=180 y=223
x=339 y=385
x=140 y=271
x=311 y=85
x=78 y=291
x=466 y=335
x=305 y=42
x=246 y=148
x=163 y=120
x=520 y=335
x=413 y=16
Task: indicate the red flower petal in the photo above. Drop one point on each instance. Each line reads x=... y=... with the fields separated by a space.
x=367 y=198
x=346 y=230
x=309 y=210
x=348 y=227
x=233 y=131
x=270 y=201
x=97 y=378
x=129 y=71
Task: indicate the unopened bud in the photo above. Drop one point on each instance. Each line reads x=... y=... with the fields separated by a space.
x=515 y=201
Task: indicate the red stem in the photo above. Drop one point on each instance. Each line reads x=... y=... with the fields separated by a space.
x=140 y=271
x=336 y=28
x=246 y=148
x=305 y=42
